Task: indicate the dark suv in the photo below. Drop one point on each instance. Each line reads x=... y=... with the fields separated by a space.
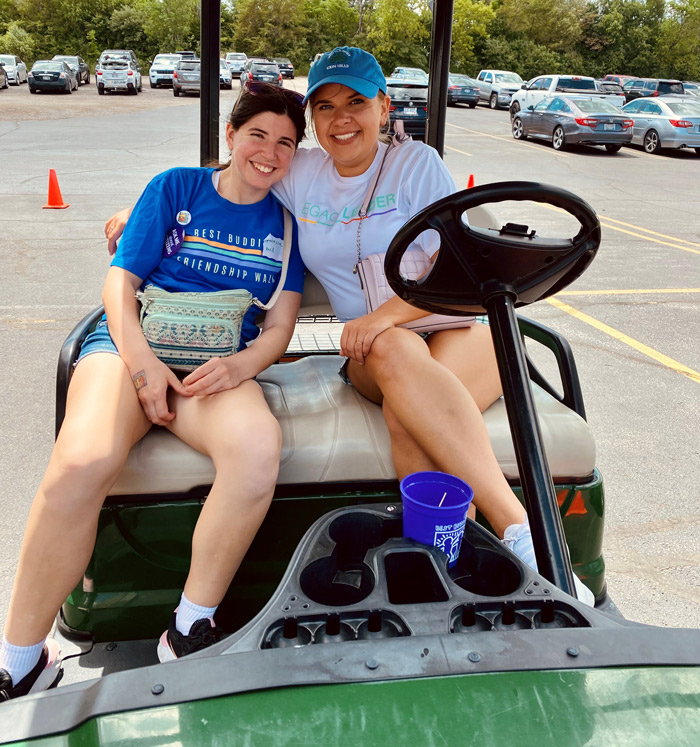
x=635 y=89
x=409 y=104
x=285 y=66
x=263 y=70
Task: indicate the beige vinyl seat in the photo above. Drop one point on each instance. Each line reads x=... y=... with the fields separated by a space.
x=333 y=434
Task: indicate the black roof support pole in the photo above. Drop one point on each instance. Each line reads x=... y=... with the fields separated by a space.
x=440 y=45
x=210 y=40
x=536 y=480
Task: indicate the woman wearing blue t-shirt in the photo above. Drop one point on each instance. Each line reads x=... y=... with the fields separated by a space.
x=229 y=233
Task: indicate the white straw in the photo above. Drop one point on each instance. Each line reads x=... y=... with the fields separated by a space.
x=442 y=499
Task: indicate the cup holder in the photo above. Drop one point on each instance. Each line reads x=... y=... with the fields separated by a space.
x=356 y=532
x=550 y=617
x=326 y=581
x=509 y=619
x=469 y=621
x=289 y=635
x=485 y=572
x=411 y=578
x=380 y=625
x=334 y=628
x=334 y=631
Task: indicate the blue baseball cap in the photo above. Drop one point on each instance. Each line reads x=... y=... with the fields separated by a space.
x=351 y=67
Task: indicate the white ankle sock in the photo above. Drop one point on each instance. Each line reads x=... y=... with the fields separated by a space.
x=19 y=660
x=188 y=613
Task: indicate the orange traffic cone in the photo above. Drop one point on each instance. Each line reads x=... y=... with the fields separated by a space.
x=470 y=183
x=55 y=199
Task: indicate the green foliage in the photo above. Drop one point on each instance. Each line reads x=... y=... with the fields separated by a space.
x=397 y=34
x=590 y=37
x=555 y=24
x=17 y=41
x=469 y=29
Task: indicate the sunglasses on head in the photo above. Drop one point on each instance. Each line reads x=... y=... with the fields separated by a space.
x=258 y=88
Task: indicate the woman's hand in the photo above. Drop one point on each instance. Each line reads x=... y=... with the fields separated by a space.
x=151 y=379
x=359 y=334
x=216 y=375
x=114 y=228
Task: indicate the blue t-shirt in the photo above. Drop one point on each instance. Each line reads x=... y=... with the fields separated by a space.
x=222 y=245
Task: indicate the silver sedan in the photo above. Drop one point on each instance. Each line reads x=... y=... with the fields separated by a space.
x=568 y=120
x=665 y=122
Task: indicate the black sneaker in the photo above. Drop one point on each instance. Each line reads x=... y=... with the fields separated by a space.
x=45 y=675
x=173 y=644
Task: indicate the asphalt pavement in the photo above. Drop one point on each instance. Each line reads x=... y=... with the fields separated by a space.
x=633 y=319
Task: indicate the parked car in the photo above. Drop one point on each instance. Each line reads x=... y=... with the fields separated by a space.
x=462 y=90
x=497 y=87
x=609 y=86
x=691 y=87
x=119 y=54
x=285 y=66
x=620 y=79
x=263 y=70
x=569 y=120
x=409 y=104
x=224 y=75
x=118 y=74
x=15 y=69
x=187 y=53
x=236 y=62
x=52 y=75
x=77 y=65
x=635 y=89
x=187 y=76
x=545 y=86
x=162 y=69
x=410 y=73
x=3 y=78
x=672 y=122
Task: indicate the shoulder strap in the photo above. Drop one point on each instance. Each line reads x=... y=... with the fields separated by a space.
x=286 y=251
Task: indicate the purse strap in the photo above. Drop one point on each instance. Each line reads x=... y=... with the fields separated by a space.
x=286 y=251
x=396 y=141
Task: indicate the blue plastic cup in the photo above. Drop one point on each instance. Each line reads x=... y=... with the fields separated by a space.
x=435 y=508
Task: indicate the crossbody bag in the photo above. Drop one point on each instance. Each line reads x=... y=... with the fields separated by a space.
x=186 y=329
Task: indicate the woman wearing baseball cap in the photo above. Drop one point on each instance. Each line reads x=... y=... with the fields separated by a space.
x=432 y=390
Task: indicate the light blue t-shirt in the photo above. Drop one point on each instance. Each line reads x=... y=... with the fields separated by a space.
x=212 y=244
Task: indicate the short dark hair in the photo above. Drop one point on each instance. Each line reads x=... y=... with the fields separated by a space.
x=268 y=98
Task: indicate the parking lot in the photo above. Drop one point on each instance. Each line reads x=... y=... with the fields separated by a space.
x=633 y=319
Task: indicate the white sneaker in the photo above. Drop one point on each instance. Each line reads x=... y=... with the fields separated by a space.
x=518 y=539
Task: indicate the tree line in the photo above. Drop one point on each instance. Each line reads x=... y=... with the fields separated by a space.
x=649 y=38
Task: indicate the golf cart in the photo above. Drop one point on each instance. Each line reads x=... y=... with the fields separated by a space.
x=420 y=652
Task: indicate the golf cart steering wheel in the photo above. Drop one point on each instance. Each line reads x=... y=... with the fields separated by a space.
x=474 y=264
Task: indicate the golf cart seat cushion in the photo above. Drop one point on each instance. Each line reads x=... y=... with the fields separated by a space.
x=331 y=433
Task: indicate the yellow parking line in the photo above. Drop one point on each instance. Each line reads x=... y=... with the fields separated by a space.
x=627 y=340
x=503 y=139
x=648 y=230
x=636 y=291
x=632 y=233
x=649 y=238
x=456 y=150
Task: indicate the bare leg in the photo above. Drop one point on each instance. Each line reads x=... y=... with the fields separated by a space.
x=103 y=421
x=238 y=431
x=430 y=410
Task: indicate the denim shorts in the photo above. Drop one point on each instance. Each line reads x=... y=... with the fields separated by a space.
x=98 y=341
